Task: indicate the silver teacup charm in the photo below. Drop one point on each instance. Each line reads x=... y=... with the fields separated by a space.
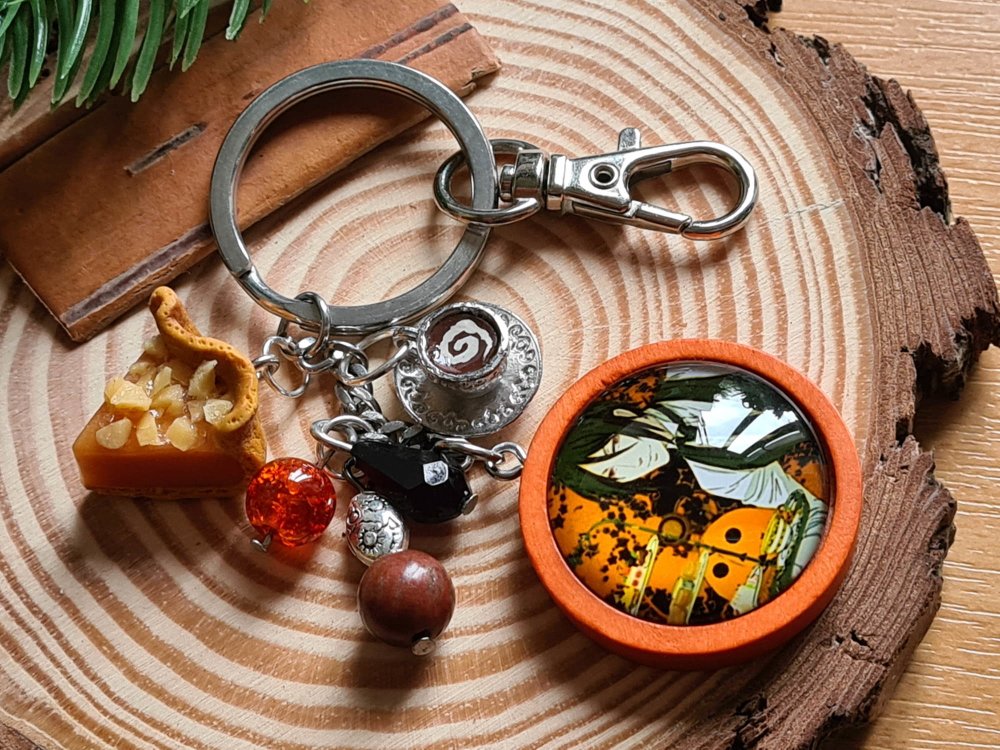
x=473 y=371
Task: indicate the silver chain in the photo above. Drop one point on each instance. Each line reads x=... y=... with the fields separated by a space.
x=276 y=350
x=505 y=460
x=362 y=414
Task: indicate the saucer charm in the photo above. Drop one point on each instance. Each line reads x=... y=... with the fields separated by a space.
x=475 y=368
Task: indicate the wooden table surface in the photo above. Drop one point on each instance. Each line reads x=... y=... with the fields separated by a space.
x=945 y=53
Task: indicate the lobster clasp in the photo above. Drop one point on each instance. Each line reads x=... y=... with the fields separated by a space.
x=600 y=187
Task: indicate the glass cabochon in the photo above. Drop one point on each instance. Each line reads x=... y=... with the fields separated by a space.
x=689 y=493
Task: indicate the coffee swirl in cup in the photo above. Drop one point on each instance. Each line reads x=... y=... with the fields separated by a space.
x=462 y=342
x=466 y=345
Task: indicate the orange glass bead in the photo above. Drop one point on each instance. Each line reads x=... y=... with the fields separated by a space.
x=291 y=500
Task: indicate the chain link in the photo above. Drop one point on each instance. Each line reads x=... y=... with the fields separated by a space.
x=347 y=362
x=278 y=349
x=504 y=460
x=403 y=337
x=325 y=431
x=360 y=401
x=347 y=425
x=509 y=452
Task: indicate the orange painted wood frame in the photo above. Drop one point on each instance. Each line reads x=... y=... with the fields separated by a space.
x=717 y=644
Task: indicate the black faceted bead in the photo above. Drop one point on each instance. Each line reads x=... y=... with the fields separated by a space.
x=419 y=482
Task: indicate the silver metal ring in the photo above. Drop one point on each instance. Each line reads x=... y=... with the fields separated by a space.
x=319 y=342
x=497 y=470
x=358 y=354
x=376 y=74
x=520 y=209
x=267 y=375
x=463 y=446
x=370 y=376
x=346 y=424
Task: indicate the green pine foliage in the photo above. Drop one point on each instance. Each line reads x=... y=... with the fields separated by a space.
x=101 y=40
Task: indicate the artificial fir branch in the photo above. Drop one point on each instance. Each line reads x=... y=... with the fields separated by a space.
x=31 y=30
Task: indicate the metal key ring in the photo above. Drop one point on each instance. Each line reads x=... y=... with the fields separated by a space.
x=375 y=74
x=521 y=208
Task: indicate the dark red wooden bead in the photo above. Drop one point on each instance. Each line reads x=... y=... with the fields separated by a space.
x=406 y=599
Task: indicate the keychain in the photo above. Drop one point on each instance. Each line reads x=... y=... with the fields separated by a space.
x=463 y=371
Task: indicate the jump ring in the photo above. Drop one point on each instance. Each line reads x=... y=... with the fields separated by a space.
x=354 y=381
x=463 y=446
x=266 y=361
x=496 y=469
x=267 y=375
x=318 y=343
x=346 y=424
x=275 y=345
x=520 y=209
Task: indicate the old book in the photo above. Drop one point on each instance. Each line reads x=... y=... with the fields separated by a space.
x=116 y=202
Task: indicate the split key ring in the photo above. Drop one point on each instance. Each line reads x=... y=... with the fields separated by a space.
x=375 y=74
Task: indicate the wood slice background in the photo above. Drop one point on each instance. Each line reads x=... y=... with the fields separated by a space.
x=154 y=624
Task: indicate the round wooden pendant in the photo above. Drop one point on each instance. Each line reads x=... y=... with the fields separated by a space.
x=691 y=504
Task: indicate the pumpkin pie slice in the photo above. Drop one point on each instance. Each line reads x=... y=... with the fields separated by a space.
x=181 y=423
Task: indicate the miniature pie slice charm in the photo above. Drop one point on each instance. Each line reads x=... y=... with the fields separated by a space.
x=181 y=422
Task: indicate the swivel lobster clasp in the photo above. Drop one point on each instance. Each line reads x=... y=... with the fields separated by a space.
x=600 y=187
